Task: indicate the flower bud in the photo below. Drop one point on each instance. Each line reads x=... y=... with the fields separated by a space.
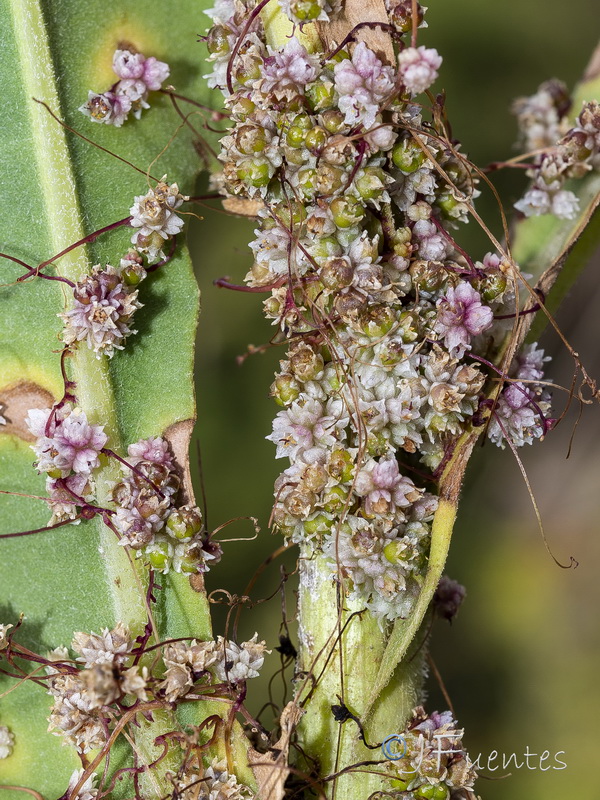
x=254 y=171
x=316 y=138
x=336 y=273
x=335 y=499
x=371 y=183
x=376 y=321
x=401 y=16
x=305 y=10
x=341 y=466
x=320 y=94
x=217 y=40
x=319 y=524
x=408 y=156
x=330 y=179
x=346 y=211
x=300 y=504
x=184 y=523
x=305 y=363
x=159 y=556
x=333 y=121
x=285 y=389
x=250 y=139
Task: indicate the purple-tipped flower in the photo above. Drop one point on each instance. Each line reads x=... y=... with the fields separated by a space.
x=461 y=315
x=418 y=68
x=286 y=72
x=154 y=449
x=109 y=108
x=71 y=444
x=102 y=311
x=135 y=66
x=384 y=488
x=362 y=83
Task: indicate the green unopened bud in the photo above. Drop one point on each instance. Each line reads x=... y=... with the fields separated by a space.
x=409 y=326
x=346 y=211
x=307 y=182
x=132 y=275
x=305 y=363
x=217 y=40
x=408 y=156
x=316 y=138
x=426 y=792
x=305 y=10
x=376 y=321
x=159 y=558
x=248 y=71
x=320 y=523
x=395 y=552
x=335 y=499
x=244 y=107
x=320 y=94
x=295 y=136
x=341 y=55
x=55 y=474
x=325 y=248
x=440 y=792
x=184 y=523
x=285 y=389
x=250 y=139
x=371 y=184
x=401 y=16
x=333 y=121
x=399 y=783
x=493 y=286
x=341 y=466
x=256 y=172
x=192 y=561
x=290 y=211
x=448 y=205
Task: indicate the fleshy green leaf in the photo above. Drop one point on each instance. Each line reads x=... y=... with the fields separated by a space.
x=58 y=189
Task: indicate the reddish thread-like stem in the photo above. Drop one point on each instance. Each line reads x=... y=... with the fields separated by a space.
x=86 y=240
x=223 y=283
x=34 y=269
x=40 y=530
x=138 y=472
x=254 y=14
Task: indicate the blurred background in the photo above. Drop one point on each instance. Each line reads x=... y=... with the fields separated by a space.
x=521 y=661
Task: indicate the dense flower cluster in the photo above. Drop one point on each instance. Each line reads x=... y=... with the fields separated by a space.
x=67 y=449
x=567 y=151
x=168 y=536
x=137 y=76
x=103 y=306
x=230 y=663
x=153 y=214
x=215 y=783
x=428 y=759
x=382 y=309
x=7 y=741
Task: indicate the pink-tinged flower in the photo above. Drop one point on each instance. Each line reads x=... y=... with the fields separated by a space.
x=418 y=68
x=432 y=245
x=154 y=449
x=461 y=315
x=548 y=199
x=384 y=488
x=135 y=66
x=72 y=444
x=286 y=72
x=362 y=83
x=301 y=427
x=65 y=494
x=109 y=108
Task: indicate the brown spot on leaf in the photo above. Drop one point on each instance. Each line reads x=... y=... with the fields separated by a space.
x=197 y=582
x=178 y=436
x=354 y=12
x=15 y=402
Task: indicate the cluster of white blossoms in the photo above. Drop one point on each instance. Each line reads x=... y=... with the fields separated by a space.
x=567 y=151
x=153 y=214
x=106 y=671
x=214 y=783
x=230 y=663
x=388 y=319
x=137 y=76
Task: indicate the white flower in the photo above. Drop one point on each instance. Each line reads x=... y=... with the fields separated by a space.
x=87 y=790
x=362 y=83
x=239 y=662
x=418 y=68
x=109 y=647
x=7 y=741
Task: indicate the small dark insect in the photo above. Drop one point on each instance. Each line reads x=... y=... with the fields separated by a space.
x=286 y=648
